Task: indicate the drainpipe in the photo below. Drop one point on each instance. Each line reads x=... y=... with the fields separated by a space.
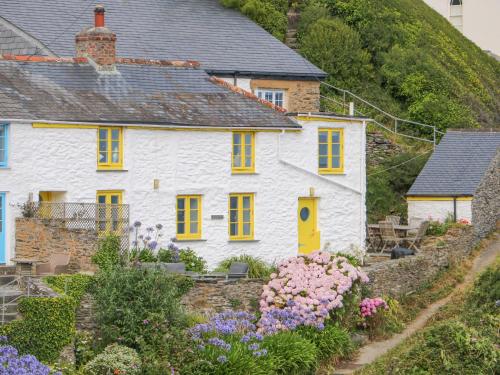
x=235 y=79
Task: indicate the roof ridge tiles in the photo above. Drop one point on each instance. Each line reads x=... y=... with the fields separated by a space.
x=248 y=94
x=84 y=60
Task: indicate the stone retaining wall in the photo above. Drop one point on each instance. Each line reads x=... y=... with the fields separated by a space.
x=402 y=276
x=37 y=238
x=208 y=297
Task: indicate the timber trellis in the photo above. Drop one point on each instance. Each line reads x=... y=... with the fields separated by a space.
x=103 y=219
x=385 y=120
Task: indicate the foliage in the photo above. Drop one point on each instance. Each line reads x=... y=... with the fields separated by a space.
x=452 y=348
x=270 y=14
x=28 y=209
x=380 y=318
x=437 y=228
x=331 y=342
x=141 y=309
x=75 y=285
x=311 y=286
x=115 y=359
x=187 y=256
x=107 y=255
x=257 y=268
x=85 y=348
x=47 y=326
x=486 y=292
x=290 y=353
x=13 y=363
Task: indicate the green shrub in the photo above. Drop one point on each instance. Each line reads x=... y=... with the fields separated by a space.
x=75 y=285
x=108 y=255
x=258 y=269
x=290 y=354
x=450 y=347
x=385 y=323
x=437 y=228
x=142 y=255
x=115 y=359
x=47 y=326
x=85 y=348
x=331 y=342
x=187 y=256
x=141 y=309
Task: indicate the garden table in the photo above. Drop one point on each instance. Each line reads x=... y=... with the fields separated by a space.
x=402 y=229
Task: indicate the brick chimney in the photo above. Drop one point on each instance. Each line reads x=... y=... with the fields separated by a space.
x=97 y=43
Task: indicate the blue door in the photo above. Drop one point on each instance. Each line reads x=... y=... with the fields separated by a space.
x=2 y=227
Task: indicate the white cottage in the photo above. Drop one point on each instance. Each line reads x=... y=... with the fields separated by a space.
x=224 y=172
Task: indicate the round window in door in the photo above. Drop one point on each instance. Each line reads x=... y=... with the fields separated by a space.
x=304 y=214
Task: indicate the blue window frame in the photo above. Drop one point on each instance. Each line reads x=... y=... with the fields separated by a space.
x=4 y=145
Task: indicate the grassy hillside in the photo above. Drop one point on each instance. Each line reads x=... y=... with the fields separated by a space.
x=399 y=54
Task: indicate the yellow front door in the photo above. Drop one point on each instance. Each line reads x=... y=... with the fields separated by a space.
x=45 y=209
x=309 y=235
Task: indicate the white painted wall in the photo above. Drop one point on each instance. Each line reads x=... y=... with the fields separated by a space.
x=480 y=21
x=198 y=162
x=243 y=83
x=439 y=210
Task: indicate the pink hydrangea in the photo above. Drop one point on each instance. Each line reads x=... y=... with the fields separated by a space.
x=311 y=286
x=369 y=306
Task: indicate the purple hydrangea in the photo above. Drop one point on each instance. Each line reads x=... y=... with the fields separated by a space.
x=14 y=364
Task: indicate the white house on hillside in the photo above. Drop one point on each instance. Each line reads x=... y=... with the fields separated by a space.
x=224 y=172
x=478 y=20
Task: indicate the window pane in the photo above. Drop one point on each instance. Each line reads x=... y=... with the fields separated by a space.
x=114 y=199
x=323 y=149
x=336 y=162
x=193 y=215
x=248 y=139
x=181 y=216
x=193 y=227
x=248 y=160
x=103 y=146
x=103 y=134
x=101 y=199
x=193 y=203
x=180 y=228
x=233 y=202
x=336 y=150
x=115 y=158
x=335 y=137
x=233 y=229
x=115 y=134
x=246 y=202
x=180 y=203
x=269 y=96
x=233 y=216
x=246 y=229
x=259 y=94
x=237 y=156
x=237 y=138
x=323 y=137
x=323 y=162
x=246 y=216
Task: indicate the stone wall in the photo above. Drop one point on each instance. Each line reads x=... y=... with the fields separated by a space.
x=37 y=238
x=379 y=148
x=300 y=96
x=486 y=201
x=208 y=297
x=402 y=276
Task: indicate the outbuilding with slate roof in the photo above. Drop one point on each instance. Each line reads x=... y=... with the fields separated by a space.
x=461 y=181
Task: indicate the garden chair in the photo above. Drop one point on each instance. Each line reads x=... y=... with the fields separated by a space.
x=57 y=264
x=414 y=222
x=236 y=271
x=373 y=237
x=179 y=268
x=388 y=235
x=396 y=220
x=414 y=240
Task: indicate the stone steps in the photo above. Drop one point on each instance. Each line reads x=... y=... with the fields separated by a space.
x=9 y=297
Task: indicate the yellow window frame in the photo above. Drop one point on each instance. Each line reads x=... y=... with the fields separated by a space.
x=108 y=141
x=110 y=226
x=240 y=222
x=188 y=234
x=243 y=145
x=330 y=169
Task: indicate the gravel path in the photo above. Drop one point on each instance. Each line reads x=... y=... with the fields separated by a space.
x=370 y=352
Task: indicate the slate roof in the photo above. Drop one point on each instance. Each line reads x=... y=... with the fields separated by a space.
x=139 y=94
x=457 y=165
x=13 y=43
x=222 y=39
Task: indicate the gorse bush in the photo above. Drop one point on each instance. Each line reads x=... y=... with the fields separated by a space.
x=115 y=359
x=257 y=268
x=108 y=255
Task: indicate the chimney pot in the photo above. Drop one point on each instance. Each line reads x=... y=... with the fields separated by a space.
x=99 y=15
